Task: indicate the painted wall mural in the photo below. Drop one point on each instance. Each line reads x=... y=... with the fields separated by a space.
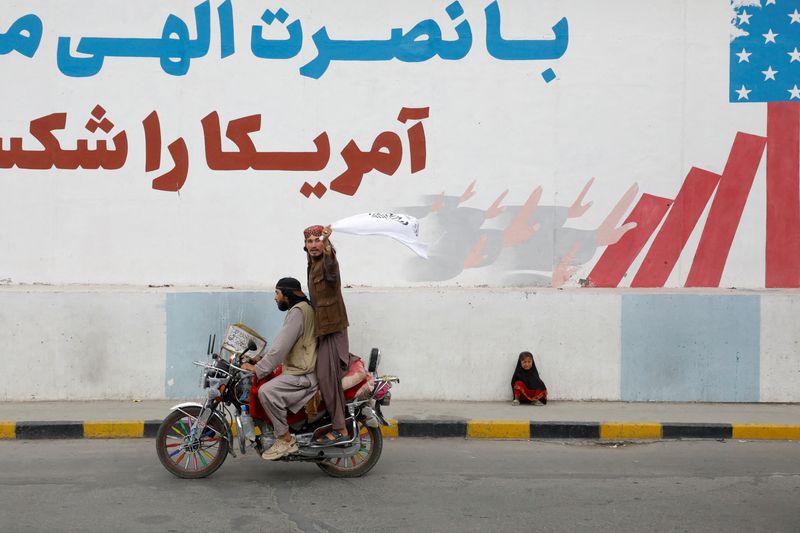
x=753 y=46
x=536 y=144
x=513 y=242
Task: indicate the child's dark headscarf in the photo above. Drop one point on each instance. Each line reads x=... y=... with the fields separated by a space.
x=530 y=377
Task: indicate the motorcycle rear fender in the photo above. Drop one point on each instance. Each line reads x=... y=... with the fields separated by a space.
x=228 y=435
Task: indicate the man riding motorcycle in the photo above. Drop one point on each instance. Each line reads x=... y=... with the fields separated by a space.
x=295 y=347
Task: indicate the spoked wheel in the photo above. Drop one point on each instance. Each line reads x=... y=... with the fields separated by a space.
x=363 y=460
x=185 y=457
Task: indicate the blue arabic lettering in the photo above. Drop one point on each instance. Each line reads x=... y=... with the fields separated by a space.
x=518 y=50
x=225 y=12
x=24 y=36
x=458 y=49
x=276 y=48
x=175 y=49
x=420 y=43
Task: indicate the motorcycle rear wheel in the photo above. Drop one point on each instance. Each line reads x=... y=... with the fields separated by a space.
x=184 y=459
x=363 y=460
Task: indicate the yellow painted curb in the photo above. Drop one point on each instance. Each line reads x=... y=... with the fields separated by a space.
x=118 y=429
x=498 y=429
x=766 y=431
x=639 y=430
x=8 y=430
x=391 y=430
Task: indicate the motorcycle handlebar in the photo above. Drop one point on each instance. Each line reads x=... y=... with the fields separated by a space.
x=206 y=365
x=242 y=370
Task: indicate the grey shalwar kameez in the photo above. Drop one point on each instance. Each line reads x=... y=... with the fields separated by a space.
x=296 y=384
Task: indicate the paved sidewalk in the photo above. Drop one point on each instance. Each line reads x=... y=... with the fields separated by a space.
x=762 y=413
x=558 y=419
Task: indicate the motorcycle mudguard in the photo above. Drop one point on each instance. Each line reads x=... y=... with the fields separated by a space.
x=228 y=435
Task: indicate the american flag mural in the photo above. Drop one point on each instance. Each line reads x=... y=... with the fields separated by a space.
x=765 y=68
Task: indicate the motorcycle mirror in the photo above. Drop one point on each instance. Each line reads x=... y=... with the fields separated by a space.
x=208 y=348
x=251 y=346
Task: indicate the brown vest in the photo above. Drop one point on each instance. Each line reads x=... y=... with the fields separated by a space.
x=329 y=311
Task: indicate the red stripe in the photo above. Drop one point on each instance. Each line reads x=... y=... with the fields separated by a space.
x=783 y=195
x=726 y=211
x=613 y=264
x=681 y=220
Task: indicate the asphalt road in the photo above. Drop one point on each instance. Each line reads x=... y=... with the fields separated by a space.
x=419 y=485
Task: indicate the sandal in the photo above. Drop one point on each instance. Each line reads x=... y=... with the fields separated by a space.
x=325 y=440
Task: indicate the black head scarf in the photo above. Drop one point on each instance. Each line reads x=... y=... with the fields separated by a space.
x=290 y=287
x=530 y=377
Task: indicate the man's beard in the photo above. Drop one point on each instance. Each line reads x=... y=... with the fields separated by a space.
x=283 y=305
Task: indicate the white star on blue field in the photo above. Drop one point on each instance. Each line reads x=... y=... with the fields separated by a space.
x=765 y=63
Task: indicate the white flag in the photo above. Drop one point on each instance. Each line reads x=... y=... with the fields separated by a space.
x=403 y=228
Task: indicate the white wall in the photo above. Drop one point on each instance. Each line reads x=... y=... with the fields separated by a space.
x=459 y=344
x=444 y=344
x=641 y=97
x=780 y=348
x=80 y=345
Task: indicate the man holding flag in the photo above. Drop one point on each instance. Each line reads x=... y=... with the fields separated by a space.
x=325 y=287
x=333 y=357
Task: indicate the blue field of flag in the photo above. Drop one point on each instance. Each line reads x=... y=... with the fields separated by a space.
x=765 y=51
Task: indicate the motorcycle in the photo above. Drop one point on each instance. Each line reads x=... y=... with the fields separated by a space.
x=195 y=438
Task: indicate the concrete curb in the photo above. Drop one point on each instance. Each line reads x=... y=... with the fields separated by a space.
x=436 y=428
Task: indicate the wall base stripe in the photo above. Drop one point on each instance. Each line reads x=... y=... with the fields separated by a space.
x=766 y=431
x=565 y=430
x=639 y=430
x=50 y=430
x=390 y=431
x=498 y=429
x=8 y=430
x=431 y=428
x=118 y=429
x=696 y=431
x=458 y=428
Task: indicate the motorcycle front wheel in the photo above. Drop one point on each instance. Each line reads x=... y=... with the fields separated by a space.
x=187 y=459
x=364 y=459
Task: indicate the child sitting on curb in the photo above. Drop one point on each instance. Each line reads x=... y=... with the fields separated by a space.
x=526 y=384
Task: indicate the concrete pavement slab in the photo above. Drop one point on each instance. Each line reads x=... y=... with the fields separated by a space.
x=731 y=413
